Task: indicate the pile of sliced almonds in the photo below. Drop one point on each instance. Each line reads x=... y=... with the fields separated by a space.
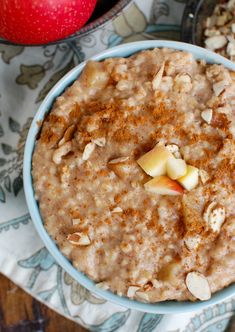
x=171 y=175
x=219 y=30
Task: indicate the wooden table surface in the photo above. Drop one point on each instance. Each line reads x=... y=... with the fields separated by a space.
x=19 y=312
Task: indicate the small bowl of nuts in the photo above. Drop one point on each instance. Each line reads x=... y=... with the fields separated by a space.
x=210 y=24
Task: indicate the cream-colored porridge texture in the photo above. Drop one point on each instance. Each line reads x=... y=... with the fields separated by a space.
x=90 y=188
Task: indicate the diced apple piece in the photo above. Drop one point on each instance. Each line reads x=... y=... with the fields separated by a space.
x=163 y=185
x=154 y=161
x=190 y=180
x=176 y=168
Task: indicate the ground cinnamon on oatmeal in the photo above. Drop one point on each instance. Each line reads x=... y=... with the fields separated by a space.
x=91 y=190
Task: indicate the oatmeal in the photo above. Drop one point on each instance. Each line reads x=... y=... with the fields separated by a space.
x=134 y=175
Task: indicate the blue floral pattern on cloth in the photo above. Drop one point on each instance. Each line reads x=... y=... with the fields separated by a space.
x=27 y=75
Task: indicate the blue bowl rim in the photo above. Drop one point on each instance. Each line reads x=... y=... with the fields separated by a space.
x=125 y=50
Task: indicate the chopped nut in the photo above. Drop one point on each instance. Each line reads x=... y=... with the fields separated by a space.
x=231 y=49
x=233 y=27
x=117 y=210
x=79 y=239
x=211 y=32
x=148 y=286
x=204 y=176
x=118 y=160
x=215 y=42
x=174 y=149
x=132 y=290
x=183 y=82
x=67 y=135
x=89 y=148
x=198 y=286
x=222 y=19
x=103 y=285
x=143 y=296
x=214 y=215
x=61 y=152
x=219 y=87
x=100 y=141
x=231 y=4
x=122 y=167
x=158 y=77
x=207 y=115
x=76 y=221
x=192 y=242
x=210 y=21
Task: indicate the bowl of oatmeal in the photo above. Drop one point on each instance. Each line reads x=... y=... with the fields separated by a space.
x=129 y=175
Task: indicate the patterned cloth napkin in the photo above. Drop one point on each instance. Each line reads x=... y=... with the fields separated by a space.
x=27 y=74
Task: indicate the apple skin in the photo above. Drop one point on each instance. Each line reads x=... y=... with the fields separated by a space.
x=42 y=21
x=163 y=185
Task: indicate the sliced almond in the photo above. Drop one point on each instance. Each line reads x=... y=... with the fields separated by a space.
x=118 y=160
x=89 y=148
x=204 y=176
x=219 y=87
x=221 y=20
x=208 y=210
x=215 y=42
x=183 y=82
x=207 y=115
x=142 y=296
x=101 y=141
x=79 y=239
x=214 y=215
x=76 y=221
x=117 y=209
x=122 y=167
x=62 y=151
x=103 y=285
x=210 y=21
x=231 y=4
x=174 y=149
x=230 y=49
x=233 y=27
x=192 y=242
x=198 y=286
x=132 y=290
x=158 y=77
x=67 y=135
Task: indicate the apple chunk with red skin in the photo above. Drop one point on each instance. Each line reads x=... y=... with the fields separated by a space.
x=154 y=162
x=163 y=185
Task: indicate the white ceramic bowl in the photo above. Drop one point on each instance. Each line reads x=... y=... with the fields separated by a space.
x=167 y=307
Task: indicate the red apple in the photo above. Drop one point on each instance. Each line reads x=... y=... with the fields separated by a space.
x=42 y=21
